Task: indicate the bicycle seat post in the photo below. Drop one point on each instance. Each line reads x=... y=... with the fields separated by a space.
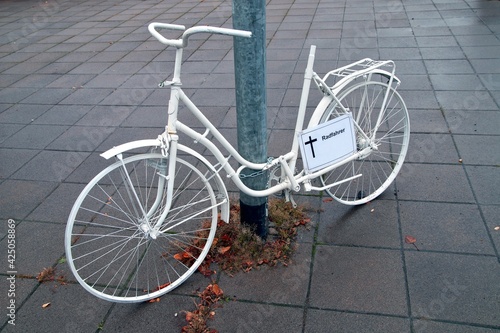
x=175 y=84
x=177 y=66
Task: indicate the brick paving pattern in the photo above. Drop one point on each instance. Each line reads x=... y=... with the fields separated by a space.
x=77 y=77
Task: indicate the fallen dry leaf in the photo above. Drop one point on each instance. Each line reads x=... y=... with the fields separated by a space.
x=223 y=250
x=204 y=269
x=46 y=275
x=154 y=300
x=327 y=199
x=162 y=286
x=302 y=222
x=411 y=240
x=46 y=305
x=497 y=228
x=216 y=289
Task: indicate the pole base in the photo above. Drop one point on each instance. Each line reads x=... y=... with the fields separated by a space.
x=256 y=218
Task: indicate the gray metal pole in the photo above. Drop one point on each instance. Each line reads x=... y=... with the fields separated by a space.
x=251 y=98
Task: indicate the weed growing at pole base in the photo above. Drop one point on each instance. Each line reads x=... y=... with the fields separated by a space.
x=237 y=248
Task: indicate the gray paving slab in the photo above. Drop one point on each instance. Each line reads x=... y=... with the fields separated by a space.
x=15 y=95
x=81 y=138
x=421 y=100
x=13 y=159
x=160 y=316
x=257 y=317
x=459 y=290
x=435 y=327
x=19 y=197
x=58 y=68
x=49 y=96
x=45 y=167
x=34 y=254
x=79 y=77
x=85 y=166
x=358 y=279
x=492 y=223
x=34 y=136
x=446 y=227
x=55 y=207
x=412 y=81
x=468 y=147
x=278 y=285
x=63 y=114
x=434 y=182
x=8 y=129
x=472 y=122
x=81 y=311
x=24 y=288
x=431 y=144
x=371 y=225
x=322 y=321
x=482 y=183
x=84 y=96
x=476 y=99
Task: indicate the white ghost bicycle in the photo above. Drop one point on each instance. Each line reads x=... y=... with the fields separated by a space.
x=145 y=223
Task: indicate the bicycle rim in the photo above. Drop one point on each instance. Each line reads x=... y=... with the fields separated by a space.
x=380 y=167
x=110 y=248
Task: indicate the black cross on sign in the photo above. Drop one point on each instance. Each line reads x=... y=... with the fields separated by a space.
x=310 y=142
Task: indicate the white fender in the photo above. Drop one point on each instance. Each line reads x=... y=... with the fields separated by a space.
x=318 y=112
x=327 y=99
x=221 y=188
x=129 y=146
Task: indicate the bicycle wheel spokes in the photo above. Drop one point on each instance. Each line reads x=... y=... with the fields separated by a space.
x=110 y=243
x=385 y=131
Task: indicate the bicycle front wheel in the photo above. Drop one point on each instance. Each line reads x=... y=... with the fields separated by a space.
x=111 y=244
x=387 y=127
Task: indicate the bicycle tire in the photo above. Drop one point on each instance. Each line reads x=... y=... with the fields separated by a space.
x=110 y=250
x=380 y=167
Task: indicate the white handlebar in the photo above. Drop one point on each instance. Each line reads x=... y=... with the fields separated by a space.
x=183 y=41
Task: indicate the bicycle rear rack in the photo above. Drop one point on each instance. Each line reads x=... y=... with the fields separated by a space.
x=340 y=77
x=360 y=67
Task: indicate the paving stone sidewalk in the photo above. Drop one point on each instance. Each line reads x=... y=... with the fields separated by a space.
x=78 y=77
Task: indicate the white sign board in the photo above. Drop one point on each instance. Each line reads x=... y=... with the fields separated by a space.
x=327 y=143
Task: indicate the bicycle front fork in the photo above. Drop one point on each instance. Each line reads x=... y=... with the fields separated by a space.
x=163 y=200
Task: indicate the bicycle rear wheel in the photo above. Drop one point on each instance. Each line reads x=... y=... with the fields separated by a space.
x=391 y=138
x=110 y=245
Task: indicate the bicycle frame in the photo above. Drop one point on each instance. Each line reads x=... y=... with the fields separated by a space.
x=289 y=180
x=286 y=161
x=151 y=217
x=168 y=141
